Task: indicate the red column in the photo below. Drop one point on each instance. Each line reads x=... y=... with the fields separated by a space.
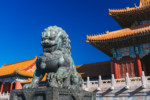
x=2 y=86
x=116 y=69
x=11 y=86
x=139 y=65
x=18 y=85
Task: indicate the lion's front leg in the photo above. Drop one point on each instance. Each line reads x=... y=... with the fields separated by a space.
x=63 y=77
x=52 y=80
x=76 y=80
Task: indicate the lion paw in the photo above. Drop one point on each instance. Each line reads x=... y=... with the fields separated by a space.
x=30 y=85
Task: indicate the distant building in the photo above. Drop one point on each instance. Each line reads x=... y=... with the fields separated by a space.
x=93 y=70
x=12 y=75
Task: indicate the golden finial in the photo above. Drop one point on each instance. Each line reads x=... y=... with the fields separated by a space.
x=35 y=57
x=135 y=5
x=107 y=32
x=4 y=64
x=127 y=8
x=87 y=41
x=87 y=36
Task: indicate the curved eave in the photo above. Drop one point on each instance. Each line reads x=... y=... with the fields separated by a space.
x=115 y=35
x=117 y=38
x=127 y=17
x=129 y=10
x=28 y=76
x=106 y=44
x=14 y=74
x=102 y=48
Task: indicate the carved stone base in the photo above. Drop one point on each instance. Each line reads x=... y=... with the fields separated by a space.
x=51 y=94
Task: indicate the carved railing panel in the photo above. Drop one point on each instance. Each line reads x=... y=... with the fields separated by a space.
x=127 y=83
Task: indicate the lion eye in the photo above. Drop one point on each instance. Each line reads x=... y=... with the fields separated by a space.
x=51 y=38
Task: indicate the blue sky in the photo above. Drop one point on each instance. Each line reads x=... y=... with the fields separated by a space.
x=22 y=21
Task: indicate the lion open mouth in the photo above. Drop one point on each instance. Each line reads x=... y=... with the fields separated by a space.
x=49 y=48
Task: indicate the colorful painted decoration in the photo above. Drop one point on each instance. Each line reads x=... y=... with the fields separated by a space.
x=131 y=51
x=136 y=23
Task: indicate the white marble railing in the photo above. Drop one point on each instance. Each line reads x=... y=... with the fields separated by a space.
x=127 y=83
x=4 y=96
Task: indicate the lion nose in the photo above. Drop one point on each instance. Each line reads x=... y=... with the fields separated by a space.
x=46 y=41
x=43 y=66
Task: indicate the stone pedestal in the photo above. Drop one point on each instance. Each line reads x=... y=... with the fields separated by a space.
x=51 y=94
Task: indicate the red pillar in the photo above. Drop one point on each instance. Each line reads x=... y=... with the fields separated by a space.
x=116 y=69
x=18 y=85
x=139 y=65
x=11 y=86
x=2 y=86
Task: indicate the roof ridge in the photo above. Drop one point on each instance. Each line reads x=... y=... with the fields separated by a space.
x=127 y=9
x=27 y=66
x=128 y=31
x=19 y=61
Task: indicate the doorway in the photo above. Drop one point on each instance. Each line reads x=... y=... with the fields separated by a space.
x=146 y=64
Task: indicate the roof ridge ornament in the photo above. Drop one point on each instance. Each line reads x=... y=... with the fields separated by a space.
x=135 y=5
x=144 y=2
x=127 y=8
x=107 y=32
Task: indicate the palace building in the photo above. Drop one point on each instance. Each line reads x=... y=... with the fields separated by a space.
x=15 y=75
x=11 y=75
x=130 y=46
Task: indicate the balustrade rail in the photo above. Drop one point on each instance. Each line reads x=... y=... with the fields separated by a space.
x=127 y=83
x=112 y=84
x=4 y=96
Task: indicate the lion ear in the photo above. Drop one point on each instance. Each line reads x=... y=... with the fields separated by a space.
x=59 y=42
x=58 y=35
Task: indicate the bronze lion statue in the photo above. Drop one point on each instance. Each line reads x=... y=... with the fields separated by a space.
x=56 y=61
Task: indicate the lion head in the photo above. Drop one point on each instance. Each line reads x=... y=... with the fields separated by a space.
x=55 y=38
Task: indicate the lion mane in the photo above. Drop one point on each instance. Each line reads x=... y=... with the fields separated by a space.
x=60 y=34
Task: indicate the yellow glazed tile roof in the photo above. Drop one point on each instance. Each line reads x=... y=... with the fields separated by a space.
x=22 y=72
x=30 y=79
x=18 y=67
x=119 y=34
x=144 y=4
